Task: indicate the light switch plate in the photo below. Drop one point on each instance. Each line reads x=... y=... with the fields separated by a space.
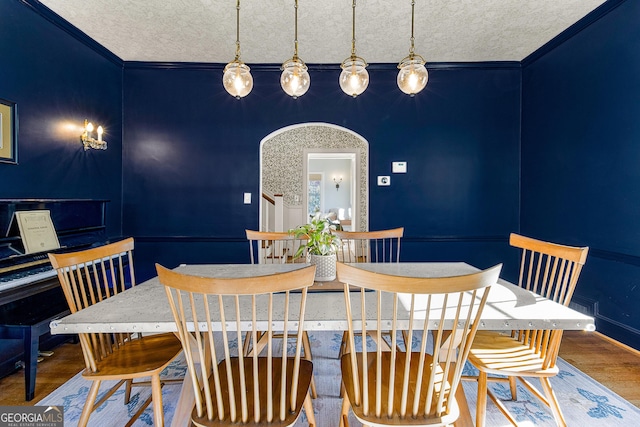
x=247 y=198
x=399 y=167
x=384 y=181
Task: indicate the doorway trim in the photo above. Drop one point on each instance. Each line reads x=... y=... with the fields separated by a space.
x=286 y=163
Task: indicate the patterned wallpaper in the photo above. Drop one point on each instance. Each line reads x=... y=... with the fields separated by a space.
x=283 y=160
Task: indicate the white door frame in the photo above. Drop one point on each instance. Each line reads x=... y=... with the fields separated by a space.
x=361 y=171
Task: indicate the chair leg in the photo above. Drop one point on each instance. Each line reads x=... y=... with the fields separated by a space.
x=127 y=391
x=513 y=387
x=307 y=345
x=481 y=400
x=407 y=341
x=553 y=402
x=344 y=413
x=314 y=393
x=308 y=410
x=88 y=405
x=156 y=393
x=503 y=408
x=343 y=344
x=307 y=355
x=247 y=343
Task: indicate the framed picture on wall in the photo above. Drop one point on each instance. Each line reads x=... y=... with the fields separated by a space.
x=8 y=132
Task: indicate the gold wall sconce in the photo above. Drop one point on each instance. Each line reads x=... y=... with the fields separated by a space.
x=89 y=141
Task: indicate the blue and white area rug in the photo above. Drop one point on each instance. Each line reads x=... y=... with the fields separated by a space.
x=584 y=401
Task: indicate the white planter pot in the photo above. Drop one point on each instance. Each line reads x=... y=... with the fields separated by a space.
x=325 y=267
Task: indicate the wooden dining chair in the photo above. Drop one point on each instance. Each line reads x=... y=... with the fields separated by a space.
x=93 y=275
x=369 y=246
x=408 y=388
x=552 y=271
x=230 y=388
x=273 y=247
x=277 y=247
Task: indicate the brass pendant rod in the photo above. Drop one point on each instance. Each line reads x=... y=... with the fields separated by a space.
x=412 y=50
x=295 y=41
x=353 y=31
x=238 y=30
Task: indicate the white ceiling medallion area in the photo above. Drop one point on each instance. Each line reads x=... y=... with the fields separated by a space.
x=205 y=30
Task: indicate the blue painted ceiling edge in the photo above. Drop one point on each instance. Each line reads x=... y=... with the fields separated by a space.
x=54 y=18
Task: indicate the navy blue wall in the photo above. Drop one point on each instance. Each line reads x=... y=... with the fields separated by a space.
x=192 y=150
x=57 y=81
x=581 y=157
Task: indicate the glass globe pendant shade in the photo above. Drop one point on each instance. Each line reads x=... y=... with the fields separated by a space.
x=354 y=77
x=413 y=75
x=295 y=79
x=237 y=79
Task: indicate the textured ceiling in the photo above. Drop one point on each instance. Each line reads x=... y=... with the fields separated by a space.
x=205 y=30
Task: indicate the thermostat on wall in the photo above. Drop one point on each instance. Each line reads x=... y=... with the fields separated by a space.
x=399 y=167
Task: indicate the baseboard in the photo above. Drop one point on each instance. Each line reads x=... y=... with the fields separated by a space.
x=618 y=343
x=617 y=333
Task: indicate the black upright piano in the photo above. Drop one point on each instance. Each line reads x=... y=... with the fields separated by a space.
x=30 y=294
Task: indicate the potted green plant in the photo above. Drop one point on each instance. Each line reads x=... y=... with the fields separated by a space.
x=320 y=248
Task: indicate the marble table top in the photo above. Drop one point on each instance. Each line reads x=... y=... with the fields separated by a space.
x=145 y=308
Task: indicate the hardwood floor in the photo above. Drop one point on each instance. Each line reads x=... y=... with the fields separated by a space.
x=53 y=371
x=606 y=361
x=610 y=363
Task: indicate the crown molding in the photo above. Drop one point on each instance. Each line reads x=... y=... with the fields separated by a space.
x=319 y=67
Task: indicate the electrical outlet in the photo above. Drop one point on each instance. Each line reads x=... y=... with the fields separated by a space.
x=384 y=180
x=247 y=198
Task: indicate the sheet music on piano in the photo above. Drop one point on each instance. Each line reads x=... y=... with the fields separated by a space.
x=37 y=236
x=36 y=230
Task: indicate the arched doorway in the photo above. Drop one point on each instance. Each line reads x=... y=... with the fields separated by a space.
x=284 y=160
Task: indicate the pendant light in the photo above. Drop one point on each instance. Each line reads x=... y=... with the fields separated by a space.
x=413 y=75
x=295 y=78
x=354 y=77
x=237 y=79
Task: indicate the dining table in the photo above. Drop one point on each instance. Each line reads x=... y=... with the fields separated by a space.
x=145 y=308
